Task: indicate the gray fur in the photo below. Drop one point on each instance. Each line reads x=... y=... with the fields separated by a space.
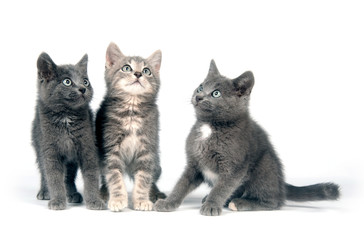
x=127 y=125
x=63 y=135
x=232 y=153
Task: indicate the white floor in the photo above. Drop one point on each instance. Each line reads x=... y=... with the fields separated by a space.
x=23 y=216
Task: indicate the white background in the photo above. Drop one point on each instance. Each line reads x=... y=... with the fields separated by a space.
x=307 y=57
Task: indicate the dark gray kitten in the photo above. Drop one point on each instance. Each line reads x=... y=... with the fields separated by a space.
x=63 y=135
x=232 y=153
x=127 y=129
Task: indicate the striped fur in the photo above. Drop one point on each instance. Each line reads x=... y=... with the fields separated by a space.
x=127 y=130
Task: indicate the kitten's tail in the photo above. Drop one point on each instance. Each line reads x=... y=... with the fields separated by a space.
x=316 y=192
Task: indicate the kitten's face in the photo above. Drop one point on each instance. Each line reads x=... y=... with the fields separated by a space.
x=219 y=99
x=66 y=85
x=132 y=75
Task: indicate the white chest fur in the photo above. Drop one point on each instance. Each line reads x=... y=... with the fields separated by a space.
x=210 y=176
x=205 y=131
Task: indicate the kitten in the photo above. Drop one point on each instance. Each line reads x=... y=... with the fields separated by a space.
x=63 y=135
x=127 y=129
x=232 y=153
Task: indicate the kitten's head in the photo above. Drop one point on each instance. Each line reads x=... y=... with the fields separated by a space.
x=132 y=75
x=66 y=85
x=219 y=99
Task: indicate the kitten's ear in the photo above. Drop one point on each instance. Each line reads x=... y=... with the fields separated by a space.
x=113 y=53
x=46 y=67
x=155 y=60
x=244 y=84
x=213 y=71
x=83 y=63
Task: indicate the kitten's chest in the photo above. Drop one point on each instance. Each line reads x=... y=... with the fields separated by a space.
x=212 y=148
x=69 y=135
x=131 y=116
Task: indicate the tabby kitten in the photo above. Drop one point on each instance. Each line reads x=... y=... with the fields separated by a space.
x=232 y=153
x=127 y=130
x=63 y=135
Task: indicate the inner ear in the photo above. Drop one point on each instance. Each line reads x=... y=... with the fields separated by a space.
x=155 y=60
x=46 y=67
x=113 y=54
x=244 y=84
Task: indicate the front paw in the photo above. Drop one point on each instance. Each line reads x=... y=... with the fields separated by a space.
x=210 y=209
x=75 y=198
x=163 y=205
x=118 y=204
x=57 y=204
x=143 y=206
x=96 y=204
x=43 y=195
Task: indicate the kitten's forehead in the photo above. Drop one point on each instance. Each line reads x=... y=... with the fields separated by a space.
x=218 y=82
x=70 y=70
x=137 y=65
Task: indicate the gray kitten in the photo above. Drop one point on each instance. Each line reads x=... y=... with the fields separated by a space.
x=232 y=153
x=63 y=135
x=127 y=129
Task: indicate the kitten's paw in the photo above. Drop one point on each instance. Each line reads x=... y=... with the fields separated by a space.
x=163 y=205
x=97 y=204
x=117 y=204
x=143 y=206
x=210 y=209
x=156 y=196
x=57 y=204
x=75 y=198
x=43 y=195
x=232 y=206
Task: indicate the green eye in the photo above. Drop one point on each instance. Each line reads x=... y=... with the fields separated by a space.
x=126 y=68
x=67 y=82
x=86 y=82
x=199 y=89
x=146 y=71
x=216 y=94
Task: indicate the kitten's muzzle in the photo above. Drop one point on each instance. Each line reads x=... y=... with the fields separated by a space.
x=82 y=90
x=199 y=99
x=138 y=74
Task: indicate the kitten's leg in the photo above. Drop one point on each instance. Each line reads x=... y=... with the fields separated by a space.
x=115 y=183
x=90 y=172
x=54 y=171
x=155 y=194
x=221 y=191
x=72 y=194
x=43 y=193
x=190 y=180
x=142 y=185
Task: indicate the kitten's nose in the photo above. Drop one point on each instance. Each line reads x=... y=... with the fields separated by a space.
x=82 y=90
x=198 y=98
x=138 y=74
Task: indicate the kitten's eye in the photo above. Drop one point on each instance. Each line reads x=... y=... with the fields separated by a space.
x=199 y=89
x=67 y=82
x=126 y=68
x=216 y=94
x=86 y=82
x=146 y=71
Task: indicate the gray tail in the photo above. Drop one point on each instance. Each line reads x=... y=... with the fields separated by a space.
x=316 y=192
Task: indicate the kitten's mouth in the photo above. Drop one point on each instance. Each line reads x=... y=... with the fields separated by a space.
x=203 y=106
x=137 y=83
